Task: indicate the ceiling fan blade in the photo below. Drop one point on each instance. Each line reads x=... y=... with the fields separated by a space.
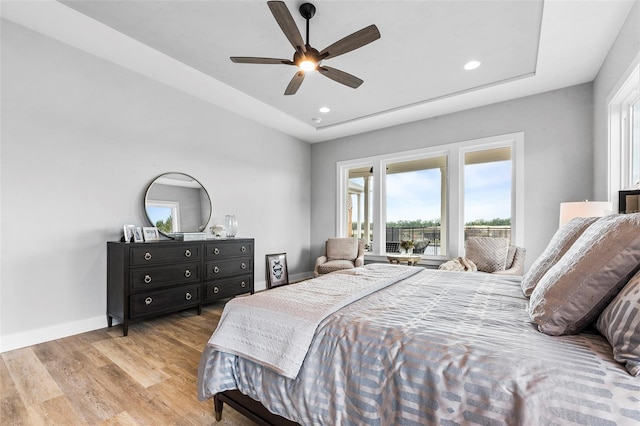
x=351 y=42
x=287 y=25
x=252 y=60
x=295 y=83
x=341 y=77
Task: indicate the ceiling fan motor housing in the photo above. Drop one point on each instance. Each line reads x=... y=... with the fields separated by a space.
x=307 y=10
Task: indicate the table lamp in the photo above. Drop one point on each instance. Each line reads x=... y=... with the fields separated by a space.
x=584 y=208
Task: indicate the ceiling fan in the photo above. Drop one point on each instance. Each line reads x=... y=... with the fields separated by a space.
x=306 y=58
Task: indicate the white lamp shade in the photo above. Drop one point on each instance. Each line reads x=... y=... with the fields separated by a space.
x=584 y=209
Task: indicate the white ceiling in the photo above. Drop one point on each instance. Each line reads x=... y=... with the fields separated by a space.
x=414 y=71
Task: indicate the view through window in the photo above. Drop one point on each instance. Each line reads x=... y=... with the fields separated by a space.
x=359 y=206
x=434 y=197
x=416 y=191
x=635 y=143
x=487 y=193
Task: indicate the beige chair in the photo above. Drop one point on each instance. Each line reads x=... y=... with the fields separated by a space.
x=516 y=267
x=340 y=254
x=484 y=252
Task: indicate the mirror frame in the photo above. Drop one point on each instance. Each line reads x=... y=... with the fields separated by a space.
x=202 y=227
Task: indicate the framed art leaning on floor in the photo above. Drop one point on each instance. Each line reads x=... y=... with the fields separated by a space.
x=277 y=273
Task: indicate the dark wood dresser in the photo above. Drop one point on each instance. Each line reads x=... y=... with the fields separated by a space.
x=148 y=279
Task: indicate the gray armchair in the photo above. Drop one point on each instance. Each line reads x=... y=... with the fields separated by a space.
x=340 y=254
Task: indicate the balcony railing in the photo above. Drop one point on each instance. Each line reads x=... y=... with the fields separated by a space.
x=432 y=234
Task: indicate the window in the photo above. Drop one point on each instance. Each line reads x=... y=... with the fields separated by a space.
x=428 y=196
x=624 y=135
x=634 y=139
x=487 y=193
x=358 y=206
x=415 y=204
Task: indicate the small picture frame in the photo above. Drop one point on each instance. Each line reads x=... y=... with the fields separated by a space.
x=137 y=235
x=277 y=273
x=150 y=233
x=128 y=233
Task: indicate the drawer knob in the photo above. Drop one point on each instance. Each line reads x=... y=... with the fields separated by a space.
x=187 y=273
x=216 y=250
x=216 y=269
x=243 y=249
x=147 y=256
x=187 y=253
x=243 y=265
x=216 y=290
x=243 y=284
x=147 y=279
x=187 y=296
x=148 y=300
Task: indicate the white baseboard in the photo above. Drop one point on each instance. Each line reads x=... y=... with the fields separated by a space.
x=45 y=334
x=13 y=341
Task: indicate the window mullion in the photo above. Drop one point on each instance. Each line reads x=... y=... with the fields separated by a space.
x=380 y=208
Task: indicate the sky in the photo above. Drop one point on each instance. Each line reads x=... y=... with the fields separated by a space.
x=416 y=195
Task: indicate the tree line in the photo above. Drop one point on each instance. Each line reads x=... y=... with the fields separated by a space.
x=420 y=223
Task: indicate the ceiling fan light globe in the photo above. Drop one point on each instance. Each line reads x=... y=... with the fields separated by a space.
x=307 y=66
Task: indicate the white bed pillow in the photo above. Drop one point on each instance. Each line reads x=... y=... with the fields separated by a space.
x=620 y=324
x=561 y=241
x=590 y=274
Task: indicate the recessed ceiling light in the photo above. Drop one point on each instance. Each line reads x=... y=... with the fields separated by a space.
x=324 y=110
x=471 y=65
x=316 y=119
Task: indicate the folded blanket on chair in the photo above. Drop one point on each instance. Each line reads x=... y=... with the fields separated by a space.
x=459 y=264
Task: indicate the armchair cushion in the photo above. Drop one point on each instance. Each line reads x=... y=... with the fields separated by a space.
x=489 y=254
x=342 y=249
x=335 y=265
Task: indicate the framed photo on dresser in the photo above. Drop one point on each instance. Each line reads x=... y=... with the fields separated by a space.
x=277 y=273
x=150 y=233
x=137 y=235
x=128 y=232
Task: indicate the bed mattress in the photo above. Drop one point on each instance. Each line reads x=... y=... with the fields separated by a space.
x=439 y=347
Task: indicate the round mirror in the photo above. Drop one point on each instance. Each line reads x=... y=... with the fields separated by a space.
x=176 y=203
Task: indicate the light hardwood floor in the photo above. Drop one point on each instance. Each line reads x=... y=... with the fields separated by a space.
x=103 y=378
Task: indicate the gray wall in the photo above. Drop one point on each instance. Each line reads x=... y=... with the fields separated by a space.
x=81 y=141
x=557 y=128
x=624 y=50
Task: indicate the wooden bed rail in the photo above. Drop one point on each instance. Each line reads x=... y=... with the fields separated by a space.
x=248 y=407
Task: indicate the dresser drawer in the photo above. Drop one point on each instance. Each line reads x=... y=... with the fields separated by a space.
x=225 y=268
x=228 y=248
x=164 y=300
x=228 y=287
x=155 y=254
x=158 y=276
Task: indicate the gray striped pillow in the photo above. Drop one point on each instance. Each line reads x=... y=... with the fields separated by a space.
x=574 y=292
x=620 y=324
x=561 y=241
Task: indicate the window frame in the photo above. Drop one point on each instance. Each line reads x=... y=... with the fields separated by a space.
x=453 y=198
x=623 y=95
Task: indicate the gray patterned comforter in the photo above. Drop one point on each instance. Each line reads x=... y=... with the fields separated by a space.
x=441 y=348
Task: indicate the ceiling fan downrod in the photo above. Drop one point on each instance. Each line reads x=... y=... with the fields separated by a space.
x=307 y=10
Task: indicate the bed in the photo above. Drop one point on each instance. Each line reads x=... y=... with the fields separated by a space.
x=427 y=347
